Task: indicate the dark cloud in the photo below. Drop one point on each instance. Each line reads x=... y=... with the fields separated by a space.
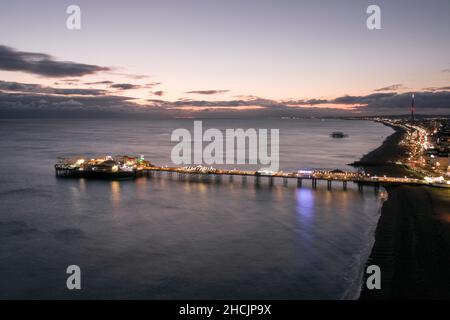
x=152 y=84
x=125 y=86
x=188 y=103
x=158 y=93
x=437 y=88
x=208 y=92
x=32 y=105
x=67 y=82
x=37 y=88
x=393 y=87
x=363 y=100
x=43 y=64
x=89 y=92
x=305 y=102
x=315 y=101
x=98 y=82
x=37 y=100
x=32 y=102
x=387 y=102
x=129 y=86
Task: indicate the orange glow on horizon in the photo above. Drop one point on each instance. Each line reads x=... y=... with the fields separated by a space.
x=349 y=107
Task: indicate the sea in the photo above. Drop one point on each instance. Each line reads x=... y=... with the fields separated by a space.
x=161 y=238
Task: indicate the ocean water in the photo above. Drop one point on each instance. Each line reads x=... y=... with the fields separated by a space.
x=160 y=238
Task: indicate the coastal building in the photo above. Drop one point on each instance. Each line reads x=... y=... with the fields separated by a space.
x=105 y=166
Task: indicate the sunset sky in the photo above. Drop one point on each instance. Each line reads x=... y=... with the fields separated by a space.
x=181 y=57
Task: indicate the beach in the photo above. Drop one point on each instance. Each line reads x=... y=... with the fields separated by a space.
x=412 y=239
x=381 y=161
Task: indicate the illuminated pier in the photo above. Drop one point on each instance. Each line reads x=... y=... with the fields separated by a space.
x=132 y=167
x=331 y=177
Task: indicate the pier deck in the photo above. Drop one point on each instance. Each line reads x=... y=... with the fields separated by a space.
x=329 y=176
x=144 y=168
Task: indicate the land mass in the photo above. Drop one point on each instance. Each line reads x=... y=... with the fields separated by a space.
x=412 y=239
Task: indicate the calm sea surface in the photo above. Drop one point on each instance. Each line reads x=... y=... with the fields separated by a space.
x=160 y=238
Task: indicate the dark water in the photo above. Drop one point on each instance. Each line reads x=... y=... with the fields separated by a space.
x=162 y=238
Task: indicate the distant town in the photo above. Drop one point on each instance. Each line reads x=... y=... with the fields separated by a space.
x=427 y=142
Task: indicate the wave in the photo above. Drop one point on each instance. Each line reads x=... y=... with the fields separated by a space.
x=359 y=260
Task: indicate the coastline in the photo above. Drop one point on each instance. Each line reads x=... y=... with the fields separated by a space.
x=381 y=161
x=412 y=237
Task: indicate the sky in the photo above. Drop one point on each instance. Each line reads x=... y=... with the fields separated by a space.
x=245 y=58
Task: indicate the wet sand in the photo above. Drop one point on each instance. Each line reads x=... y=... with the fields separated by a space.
x=412 y=239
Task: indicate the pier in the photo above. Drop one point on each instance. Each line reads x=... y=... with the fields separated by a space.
x=333 y=179
x=128 y=167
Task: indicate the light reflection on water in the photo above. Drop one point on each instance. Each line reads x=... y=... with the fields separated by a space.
x=115 y=194
x=305 y=202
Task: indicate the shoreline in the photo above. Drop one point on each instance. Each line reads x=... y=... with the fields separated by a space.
x=412 y=236
x=381 y=161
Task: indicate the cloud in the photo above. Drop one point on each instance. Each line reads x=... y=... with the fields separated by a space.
x=130 y=75
x=70 y=102
x=69 y=80
x=98 y=82
x=125 y=86
x=437 y=88
x=43 y=64
x=208 y=92
x=158 y=93
x=129 y=86
x=225 y=104
x=24 y=99
x=152 y=84
x=385 y=103
x=363 y=100
x=37 y=88
x=388 y=102
x=33 y=103
x=393 y=87
x=310 y=102
x=446 y=70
